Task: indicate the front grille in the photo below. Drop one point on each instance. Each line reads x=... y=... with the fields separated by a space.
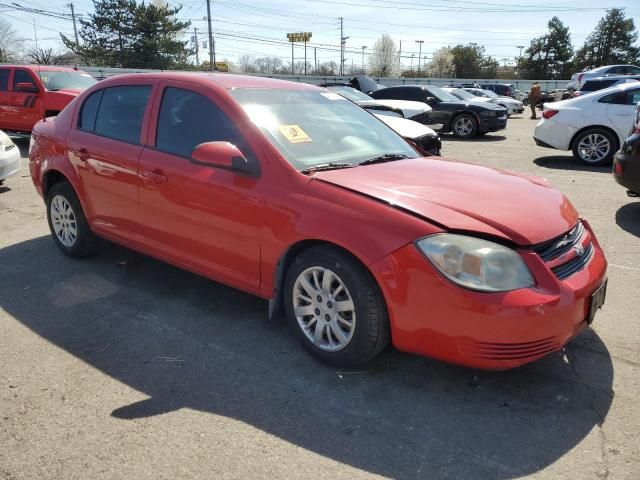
x=574 y=265
x=561 y=245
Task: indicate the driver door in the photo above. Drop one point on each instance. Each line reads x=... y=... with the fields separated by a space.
x=26 y=106
x=205 y=218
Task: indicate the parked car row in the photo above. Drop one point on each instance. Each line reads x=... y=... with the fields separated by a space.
x=578 y=79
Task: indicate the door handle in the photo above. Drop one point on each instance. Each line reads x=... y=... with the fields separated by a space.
x=156 y=176
x=82 y=154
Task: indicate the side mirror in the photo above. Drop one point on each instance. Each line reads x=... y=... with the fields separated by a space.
x=26 y=87
x=223 y=155
x=431 y=100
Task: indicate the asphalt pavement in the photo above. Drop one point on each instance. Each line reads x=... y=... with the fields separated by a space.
x=119 y=366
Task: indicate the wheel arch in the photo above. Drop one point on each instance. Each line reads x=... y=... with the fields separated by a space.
x=594 y=127
x=287 y=257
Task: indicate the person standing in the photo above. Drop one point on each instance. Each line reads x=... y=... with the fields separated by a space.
x=534 y=98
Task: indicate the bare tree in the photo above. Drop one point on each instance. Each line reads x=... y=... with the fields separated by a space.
x=9 y=41
x=384 y=61
x=442 y=65
x=247 y=64
x=327 y=68
x=41 y=56
x=268 y=65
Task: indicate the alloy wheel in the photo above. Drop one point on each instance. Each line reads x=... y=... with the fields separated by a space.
x=324 y=308
x=63 y=220
x=594 y=147
x=464 y=126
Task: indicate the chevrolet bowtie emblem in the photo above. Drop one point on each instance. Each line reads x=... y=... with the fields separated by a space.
x=579 y=250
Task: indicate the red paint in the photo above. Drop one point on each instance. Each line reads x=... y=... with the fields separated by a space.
x=236 y=228
x=19 y=111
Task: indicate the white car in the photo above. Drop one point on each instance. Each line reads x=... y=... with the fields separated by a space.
x=593 y=126
x=578 y=79
x=9 y=157
x=512 y=105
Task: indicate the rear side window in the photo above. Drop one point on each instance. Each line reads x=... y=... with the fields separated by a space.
x=121 y=112
x=22 y=76
x=4 y=79
x=188 y=119
x=618 y=98
x=633 y=97
x=89 y=112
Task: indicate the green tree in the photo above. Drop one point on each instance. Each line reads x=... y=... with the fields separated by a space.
x=470 y=62
x=612 y=41
x=124 y=33
x=549 y=56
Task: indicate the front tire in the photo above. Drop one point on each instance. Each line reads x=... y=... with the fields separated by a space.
x=595 y=147
x=67 y=223
x=465 y=126
x=335 y=307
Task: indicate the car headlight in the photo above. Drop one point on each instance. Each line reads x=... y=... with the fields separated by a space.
x=475 y=263
x=488 y=113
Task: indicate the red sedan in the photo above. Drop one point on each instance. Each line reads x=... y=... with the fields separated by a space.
x=292 y=193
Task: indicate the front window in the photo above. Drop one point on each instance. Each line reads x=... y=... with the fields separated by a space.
x=441 y=94
x=63 y=80
x=314 y=128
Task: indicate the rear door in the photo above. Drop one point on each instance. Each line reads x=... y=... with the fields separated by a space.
x=105 y=144
x=26 y=105
x=6 y=111
x=620 y=107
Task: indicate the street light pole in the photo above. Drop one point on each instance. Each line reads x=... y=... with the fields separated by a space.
x=75 y=30
x=520 y=47
x=419 y=42
x=363 y=48
x=212 y=52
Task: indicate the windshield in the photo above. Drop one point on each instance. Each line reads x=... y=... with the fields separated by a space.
x=442 y=95
x=351 y=93
x=62 y=80
x=312 y=128
x=462 y=94
x=490 y=93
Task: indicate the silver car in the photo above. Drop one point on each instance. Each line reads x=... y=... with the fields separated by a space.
x=578 y=79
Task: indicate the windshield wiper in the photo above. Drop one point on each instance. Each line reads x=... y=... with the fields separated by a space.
x=328 y=166
x=387 y=157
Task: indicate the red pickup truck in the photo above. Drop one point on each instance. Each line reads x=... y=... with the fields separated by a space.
x=29 y=93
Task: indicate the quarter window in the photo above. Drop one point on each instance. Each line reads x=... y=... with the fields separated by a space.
x=188 y=119
x=121 y=111
x=87 y=119
x=4 y=79
x=633 y=97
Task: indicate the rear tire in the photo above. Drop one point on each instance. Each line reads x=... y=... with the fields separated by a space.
x=335 y=307
x=67 y=223
x=595 y=147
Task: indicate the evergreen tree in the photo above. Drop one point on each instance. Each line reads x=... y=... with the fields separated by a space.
x=122 y=33
x=612 y=42
x=548 y=57
x=470 y=62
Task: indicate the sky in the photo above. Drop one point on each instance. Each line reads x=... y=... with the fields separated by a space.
x=259 y=27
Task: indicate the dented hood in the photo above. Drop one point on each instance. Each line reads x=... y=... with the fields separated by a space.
x=521 y=208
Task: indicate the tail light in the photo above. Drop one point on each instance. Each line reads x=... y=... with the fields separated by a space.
x=547 y=114
x=617 y=168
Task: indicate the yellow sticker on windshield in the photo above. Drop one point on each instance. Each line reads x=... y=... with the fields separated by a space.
x=294 y=133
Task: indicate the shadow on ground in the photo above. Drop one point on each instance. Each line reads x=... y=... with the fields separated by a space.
x=187 y=342
x=628 y=218
x=567 y=162
x=22 y=142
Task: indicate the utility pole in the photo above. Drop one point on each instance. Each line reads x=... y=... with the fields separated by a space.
x=305 y=56
x=212 y=51
x=341 y=45
x=292 y=72
x=419 y=42
x=363 y=48
x=412 y=55
x=195 y=41
x=400 y=55
x=35 y=33
x=315 y=60
x=75 y=29
x=520 y=47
